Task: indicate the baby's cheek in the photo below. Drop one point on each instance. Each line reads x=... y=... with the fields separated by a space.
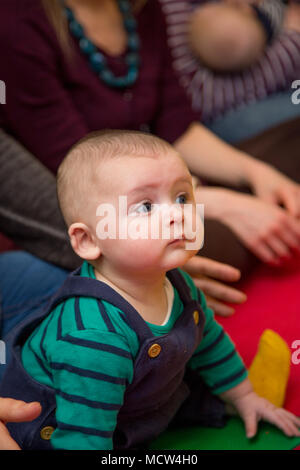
x=141 y=253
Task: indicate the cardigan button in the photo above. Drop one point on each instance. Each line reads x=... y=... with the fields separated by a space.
x=154 y=350
x=196 y=317
x=47 y=432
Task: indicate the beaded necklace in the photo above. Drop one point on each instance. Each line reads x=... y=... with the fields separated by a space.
x=97 y=60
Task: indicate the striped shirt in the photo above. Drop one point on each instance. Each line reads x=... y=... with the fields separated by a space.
x=212 y=94
x=85 y=350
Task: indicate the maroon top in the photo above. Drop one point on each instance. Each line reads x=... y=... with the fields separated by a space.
x=51 y=103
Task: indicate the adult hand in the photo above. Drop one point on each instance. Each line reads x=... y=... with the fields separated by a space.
x=209 y=276
x=272 y=186
x=269 y=231
x=15 y=411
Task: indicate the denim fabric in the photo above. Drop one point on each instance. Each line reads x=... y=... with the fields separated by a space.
x=26 y=284
x=255 y=118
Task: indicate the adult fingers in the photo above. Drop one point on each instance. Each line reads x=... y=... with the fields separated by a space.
x=286 y=237
x=282 y=239
x=220 y=291
x=279 y=247
x=207 y=267
x=6 y=441
x=219 y=308
x=18 y=411
x=291 y=240
x=293 y=225
x=290 y=198
x=264 y=252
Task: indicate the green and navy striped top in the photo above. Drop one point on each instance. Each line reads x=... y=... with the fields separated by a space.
x=86 y=353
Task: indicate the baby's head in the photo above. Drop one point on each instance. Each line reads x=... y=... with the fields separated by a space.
x=226 y=37
x=116 y=187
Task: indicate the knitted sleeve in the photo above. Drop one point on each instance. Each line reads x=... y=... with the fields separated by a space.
x=33 y=221
x=216 y=358
x=80 y=351
x=271 y=15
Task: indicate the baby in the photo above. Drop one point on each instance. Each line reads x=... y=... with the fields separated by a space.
x=231 y=35
x=128 y=345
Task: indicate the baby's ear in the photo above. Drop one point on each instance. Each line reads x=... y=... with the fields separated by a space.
x=83 y=242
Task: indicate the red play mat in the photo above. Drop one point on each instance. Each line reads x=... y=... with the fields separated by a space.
x=273 y=303
x=5 y=243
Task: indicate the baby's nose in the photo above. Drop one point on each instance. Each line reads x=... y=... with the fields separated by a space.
x=176 y=213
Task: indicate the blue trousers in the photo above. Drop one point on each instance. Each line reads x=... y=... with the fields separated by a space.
x=26 y=284
x=255 y=118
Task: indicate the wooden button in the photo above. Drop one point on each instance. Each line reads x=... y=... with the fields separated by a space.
x=196 y=317
x=46 y=432
x=154 y=350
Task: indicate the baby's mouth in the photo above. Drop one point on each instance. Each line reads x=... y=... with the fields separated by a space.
x=183 y=239
x=180 y=238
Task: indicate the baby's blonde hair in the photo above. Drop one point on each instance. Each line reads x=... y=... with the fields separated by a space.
x=80 y=169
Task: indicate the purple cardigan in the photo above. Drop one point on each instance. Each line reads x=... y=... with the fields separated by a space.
x=51 y=103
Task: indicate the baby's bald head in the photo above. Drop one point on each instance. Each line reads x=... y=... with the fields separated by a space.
x=226 y=37
x=79 y=174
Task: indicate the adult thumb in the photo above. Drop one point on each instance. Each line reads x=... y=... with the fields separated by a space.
x=17 y=411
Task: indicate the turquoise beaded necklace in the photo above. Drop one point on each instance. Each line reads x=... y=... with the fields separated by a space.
x=97 y=60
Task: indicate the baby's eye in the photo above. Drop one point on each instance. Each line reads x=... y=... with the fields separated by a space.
x=144 y=207
x=181 y=199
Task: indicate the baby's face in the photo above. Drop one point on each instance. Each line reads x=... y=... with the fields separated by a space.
x=146 y=217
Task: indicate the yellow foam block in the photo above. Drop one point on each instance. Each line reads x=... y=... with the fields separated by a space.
x=270 y=368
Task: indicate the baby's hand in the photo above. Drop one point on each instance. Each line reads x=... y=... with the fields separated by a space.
x=253 y=408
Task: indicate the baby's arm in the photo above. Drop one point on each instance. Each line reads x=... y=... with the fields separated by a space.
x=221 y=367
x=216 y=358
x=252 y=408
x=90 y=371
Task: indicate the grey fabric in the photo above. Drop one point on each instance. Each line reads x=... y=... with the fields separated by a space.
x=29 y=211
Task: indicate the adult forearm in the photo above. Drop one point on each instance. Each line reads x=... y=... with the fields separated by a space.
x=214 y=200
x=211 y=158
